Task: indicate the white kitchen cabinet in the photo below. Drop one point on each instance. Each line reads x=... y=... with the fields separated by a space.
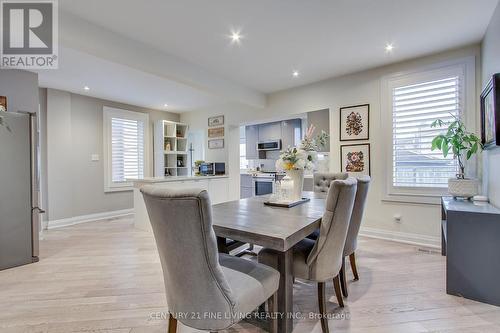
x=218 y=190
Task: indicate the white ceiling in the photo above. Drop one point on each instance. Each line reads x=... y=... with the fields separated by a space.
x=319 y=38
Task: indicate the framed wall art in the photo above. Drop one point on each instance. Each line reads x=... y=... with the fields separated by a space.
x=490 y=113
x=216 y=132
x=216 y=144
x=355 y=122
x=3 y=102
x=355 y=159
x=215 y=121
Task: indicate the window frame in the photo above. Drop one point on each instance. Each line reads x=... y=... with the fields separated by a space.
x=465 y=69
x=108 y=114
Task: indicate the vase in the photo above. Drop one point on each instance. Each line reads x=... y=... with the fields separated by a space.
x=298 y=183
x=462 y=188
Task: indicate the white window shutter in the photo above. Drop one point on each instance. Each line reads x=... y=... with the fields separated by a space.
x=127 y=149
x=414 y=108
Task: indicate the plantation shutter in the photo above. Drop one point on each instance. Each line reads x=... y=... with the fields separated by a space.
x=127 y=149
x=414 y=108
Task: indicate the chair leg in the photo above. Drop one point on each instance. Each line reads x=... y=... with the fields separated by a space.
x=172 y=324
x=352 y=259
x=338 y=293
x=272 y=305
x=322 y=307
x=343 y=282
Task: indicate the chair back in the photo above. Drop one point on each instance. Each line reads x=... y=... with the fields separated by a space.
x=187 y=245
x=325 y=259
x=322 y=180
x=351 y=242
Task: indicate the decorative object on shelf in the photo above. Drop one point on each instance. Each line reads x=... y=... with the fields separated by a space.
x=3 y=110
x=355 y=159
x=216 y=144
x=217 y=132
x=215 y=121
x=355 y=122
x=197 y=167
x=168 y=147
x=490 y=113
x=462 y=144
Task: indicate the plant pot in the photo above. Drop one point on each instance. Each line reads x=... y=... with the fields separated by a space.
x=464 y=188
x=298 y=183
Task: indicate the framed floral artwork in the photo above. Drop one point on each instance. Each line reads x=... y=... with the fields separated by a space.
x=355 y=122
x=490 y=113
x=355 y=159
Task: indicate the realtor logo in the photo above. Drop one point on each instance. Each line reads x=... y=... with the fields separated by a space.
x=29 y=34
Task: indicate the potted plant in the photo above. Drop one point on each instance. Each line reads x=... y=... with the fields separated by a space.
x=294 y=160
x=463 y=145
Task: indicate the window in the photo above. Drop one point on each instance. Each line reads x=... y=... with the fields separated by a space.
x=414 y=108
x=125 y=135
x=410 y=103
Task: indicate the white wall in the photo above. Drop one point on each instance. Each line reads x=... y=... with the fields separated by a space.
x=75 y=184
x=420 y=223
x=490 y=65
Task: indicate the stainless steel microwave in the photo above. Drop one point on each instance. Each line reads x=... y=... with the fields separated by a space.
x=269 y=145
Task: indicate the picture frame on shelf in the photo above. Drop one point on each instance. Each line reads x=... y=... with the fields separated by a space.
x=3 y=102
x=355 y=159
x=216 y=132
x=216 y=121
x=216 y=144
x=490 y=113
x=355 y=122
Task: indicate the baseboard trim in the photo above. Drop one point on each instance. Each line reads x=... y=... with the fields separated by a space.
x=88 y=218
x=402 y=237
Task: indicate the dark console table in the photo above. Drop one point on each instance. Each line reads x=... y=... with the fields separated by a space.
x=471 y=243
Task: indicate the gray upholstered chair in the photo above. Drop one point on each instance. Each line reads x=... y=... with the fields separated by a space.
x=321 y=260
x=322 y=180
x=205 y=290
x=351 y=242
x=352 y=234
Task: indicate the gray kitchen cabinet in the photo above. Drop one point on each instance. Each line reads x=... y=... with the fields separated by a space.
x=246 y=186
x=289 y=129
x=252 y=136
x=270 y=131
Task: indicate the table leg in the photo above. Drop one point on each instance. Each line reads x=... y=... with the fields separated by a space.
x=221 y=245
x=283 y=263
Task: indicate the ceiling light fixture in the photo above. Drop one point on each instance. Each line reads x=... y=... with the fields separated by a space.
x=389 y=47
x=295 y=73
x=165 y=105
x=235 y=37
x=86 y=88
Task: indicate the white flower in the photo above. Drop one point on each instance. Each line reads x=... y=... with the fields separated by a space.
x=309 y=165
x=300 y=164
x=314 y=156
x=279 y=164
x=301 y=154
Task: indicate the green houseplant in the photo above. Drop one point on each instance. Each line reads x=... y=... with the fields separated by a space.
x=463 y=145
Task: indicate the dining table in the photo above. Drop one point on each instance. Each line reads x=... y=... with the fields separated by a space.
x=249 y=220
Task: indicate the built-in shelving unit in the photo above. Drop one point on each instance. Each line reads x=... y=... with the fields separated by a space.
x=170 y=149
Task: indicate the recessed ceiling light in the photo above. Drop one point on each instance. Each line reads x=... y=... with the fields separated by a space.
x=236 y=37
x=86 y=88
x=165 y=105
x=389 y=47
x=295 y=73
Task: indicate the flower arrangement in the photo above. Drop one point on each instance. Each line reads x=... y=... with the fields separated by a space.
x=305 y=156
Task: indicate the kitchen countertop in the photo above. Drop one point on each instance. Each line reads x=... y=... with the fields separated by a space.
x=155 y=180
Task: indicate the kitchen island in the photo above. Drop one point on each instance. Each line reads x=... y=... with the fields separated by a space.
x=217 y=187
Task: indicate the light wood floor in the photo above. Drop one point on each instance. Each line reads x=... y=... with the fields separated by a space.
x=106 y=277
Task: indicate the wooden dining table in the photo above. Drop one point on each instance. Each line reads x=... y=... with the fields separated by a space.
x=250 y=221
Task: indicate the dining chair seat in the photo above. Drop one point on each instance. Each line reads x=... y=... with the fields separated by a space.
x=250 y=281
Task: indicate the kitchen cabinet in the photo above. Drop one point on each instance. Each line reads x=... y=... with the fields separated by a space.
x=246 y=186
x=218 y=190
x=251 y=137
x=291 y=131
x=270 y=131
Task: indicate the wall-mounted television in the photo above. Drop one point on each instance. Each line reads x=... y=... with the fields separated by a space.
x=490 y=113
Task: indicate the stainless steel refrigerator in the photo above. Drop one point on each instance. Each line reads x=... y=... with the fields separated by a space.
x=19 y=190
